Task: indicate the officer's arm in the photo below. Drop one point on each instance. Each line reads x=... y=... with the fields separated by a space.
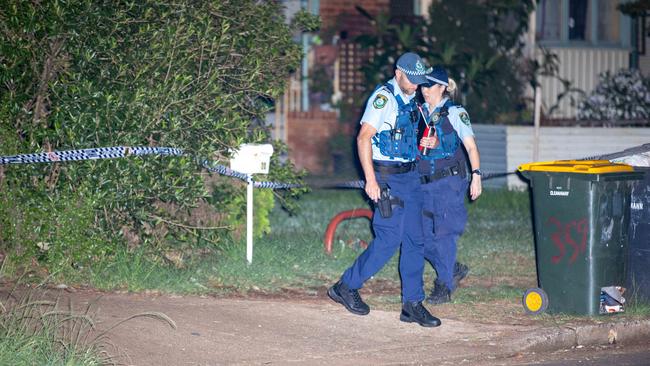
x=364 y=147
x=459 y=119
x=475 y=162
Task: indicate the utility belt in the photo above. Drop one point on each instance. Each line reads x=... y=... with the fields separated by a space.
x=390 y=167
x=458 y=169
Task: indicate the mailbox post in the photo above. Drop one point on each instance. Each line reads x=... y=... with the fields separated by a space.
x=251 y=159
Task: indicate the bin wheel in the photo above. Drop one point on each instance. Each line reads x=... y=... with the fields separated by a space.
x=535 y=301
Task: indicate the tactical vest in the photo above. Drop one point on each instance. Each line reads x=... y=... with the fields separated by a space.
x=401 y=140
x=447 y=153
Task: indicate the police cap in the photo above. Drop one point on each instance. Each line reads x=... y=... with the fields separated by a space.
x=437 y=75
x=412 y=65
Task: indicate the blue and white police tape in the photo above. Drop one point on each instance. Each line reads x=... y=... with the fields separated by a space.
x=89 y=154
x=220 y=169
x=125 y=151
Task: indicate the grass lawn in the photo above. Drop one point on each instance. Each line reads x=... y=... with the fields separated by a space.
x=291 y=262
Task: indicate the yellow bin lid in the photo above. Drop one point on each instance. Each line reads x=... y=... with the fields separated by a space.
x=577 y=166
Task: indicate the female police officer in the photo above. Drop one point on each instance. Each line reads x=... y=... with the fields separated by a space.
x=442 y=166
x=387 y=146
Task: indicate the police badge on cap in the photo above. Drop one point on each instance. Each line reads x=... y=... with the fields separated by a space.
x=412 y=65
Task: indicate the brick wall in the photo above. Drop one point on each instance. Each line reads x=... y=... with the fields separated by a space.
x=342 y=15
x=308 y=137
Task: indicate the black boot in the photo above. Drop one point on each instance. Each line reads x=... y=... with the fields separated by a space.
x=460 y=272
x=415 y=312
x=349 y=298
x=440 y=294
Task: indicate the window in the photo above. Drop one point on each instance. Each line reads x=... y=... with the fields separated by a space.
x=549 y=16
x=400 y=8
x=608 y=21
x=595 y=22
x=579 y=24
x=643 y=34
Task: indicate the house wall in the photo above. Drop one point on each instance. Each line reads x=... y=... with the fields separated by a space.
x=308 y=135
x=581 y=66
x=342 y=14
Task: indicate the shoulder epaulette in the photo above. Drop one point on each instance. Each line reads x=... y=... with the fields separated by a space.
x=389 y=88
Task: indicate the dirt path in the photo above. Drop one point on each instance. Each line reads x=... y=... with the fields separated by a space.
x=217 y=331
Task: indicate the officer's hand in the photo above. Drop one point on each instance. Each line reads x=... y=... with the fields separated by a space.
x=429 y=142
x=475 y=188
x=372 y=190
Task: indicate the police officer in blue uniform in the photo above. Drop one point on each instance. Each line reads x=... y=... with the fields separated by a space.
x=387 y=146
x=442 y=165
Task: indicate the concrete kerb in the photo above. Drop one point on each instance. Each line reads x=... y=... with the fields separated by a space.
x=551 y=339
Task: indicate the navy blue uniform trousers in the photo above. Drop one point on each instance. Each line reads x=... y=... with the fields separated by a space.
x=445 y=198
x=405 y=227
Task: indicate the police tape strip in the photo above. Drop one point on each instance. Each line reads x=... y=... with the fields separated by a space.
x=641 y=149
x=89 y=154
x=125 y=151
x=220 y=169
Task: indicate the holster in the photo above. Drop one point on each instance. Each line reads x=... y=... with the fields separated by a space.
x=385 y=202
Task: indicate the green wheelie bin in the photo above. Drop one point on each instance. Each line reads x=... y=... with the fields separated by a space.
x=580 y=218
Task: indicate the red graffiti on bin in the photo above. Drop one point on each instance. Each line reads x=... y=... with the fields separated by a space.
x=564 y=235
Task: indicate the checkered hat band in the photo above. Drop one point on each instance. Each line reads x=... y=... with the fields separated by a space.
x=410 y=72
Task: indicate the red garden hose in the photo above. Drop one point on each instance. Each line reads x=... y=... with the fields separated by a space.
x=331 y=227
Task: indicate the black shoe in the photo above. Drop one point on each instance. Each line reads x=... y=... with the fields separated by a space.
x=440 y=294
x=460 y=272
x=415 y=312
x=350 y=298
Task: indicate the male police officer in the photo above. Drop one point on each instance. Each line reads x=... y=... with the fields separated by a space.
x=387 y=146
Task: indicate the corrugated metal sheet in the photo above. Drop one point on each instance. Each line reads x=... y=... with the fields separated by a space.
x=581 y=66
x=561 y=143
x=491 y=142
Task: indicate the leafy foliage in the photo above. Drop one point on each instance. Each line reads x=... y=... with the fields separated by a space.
x=635 y=8
x=624 y=95
x=90 y=73
x=479 y=42
x=57 y=231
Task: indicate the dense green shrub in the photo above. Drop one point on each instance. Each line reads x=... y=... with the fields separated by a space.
x=59 y=232
x=81 y=74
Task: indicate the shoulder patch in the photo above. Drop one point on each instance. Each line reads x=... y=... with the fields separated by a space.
x=464 y=117
x=380 y=101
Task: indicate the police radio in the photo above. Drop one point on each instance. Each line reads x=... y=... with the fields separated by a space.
x=396 y=134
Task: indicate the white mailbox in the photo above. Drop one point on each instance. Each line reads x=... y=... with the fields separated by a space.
x=252 y=159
